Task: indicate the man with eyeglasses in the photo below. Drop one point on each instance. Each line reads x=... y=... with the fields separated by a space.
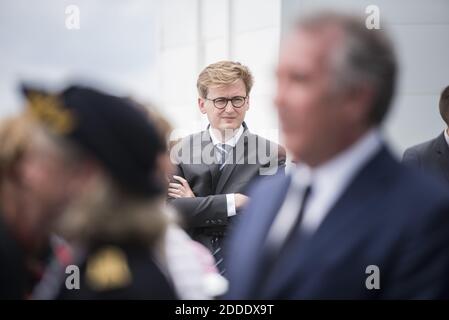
x=215 y=166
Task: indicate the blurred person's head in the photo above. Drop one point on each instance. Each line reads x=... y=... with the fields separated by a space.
x=444 y=105
x=15 y=133
x=162 y=124
x=336 y=79
x=165 y=129
x=220 y=81
x=55 y=172
x=94 y=157
x=17 y=208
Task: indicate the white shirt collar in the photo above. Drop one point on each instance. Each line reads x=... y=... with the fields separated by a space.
x=232 y=141
x=344 y=164
x=331 y=178
x=446 y=136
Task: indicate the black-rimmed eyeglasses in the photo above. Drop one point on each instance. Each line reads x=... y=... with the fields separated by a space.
x=222 y=102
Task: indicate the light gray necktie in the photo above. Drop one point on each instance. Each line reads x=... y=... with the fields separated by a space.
x=223 y=152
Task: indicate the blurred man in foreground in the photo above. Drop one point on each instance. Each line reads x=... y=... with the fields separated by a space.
x=350 y=221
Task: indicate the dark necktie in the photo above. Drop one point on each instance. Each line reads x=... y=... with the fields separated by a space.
x=270 y=255
x=297 y=223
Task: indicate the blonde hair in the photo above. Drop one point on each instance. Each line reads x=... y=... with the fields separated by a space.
x=223 y=73
x=162 y=124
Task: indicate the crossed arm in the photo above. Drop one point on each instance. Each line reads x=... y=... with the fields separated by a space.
x=206 y=211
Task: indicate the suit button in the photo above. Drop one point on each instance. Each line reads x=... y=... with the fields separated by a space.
x=207 y=221
x=213 y=222
x=219 y=221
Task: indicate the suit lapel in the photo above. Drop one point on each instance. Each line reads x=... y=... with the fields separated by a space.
x=205 y=149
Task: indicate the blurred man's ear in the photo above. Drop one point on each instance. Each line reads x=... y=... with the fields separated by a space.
x=359 y=102
x=201 y=105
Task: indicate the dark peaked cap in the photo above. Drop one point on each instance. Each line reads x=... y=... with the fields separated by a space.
x=109 y=128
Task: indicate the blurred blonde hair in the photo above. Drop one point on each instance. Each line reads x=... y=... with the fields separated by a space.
x=223 y=73
x=15 y=133
x=163 y=125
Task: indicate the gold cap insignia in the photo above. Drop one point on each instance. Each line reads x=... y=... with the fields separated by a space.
x=49 y=110
x=108 y=269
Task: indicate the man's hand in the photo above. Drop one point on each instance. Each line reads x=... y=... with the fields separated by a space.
x=240 y=200
x=180 y=190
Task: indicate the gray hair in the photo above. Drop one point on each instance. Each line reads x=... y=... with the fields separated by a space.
x=365 y=56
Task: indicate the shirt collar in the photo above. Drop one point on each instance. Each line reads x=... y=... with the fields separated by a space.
x=337 y=172
x=232 y=141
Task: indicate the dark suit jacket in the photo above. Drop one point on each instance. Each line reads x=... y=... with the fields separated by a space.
x=432 y=155
x=389 y=216
x=206 y=214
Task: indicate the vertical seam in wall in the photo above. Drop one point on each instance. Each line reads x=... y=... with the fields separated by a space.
x=199 y=42
x=229 y=30
x=199 y=35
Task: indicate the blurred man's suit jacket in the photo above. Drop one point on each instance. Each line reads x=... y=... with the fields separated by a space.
x=389 y=216
x=206 y=215
x=432 y=155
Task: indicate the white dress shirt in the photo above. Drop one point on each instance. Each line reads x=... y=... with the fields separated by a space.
x=328 y=181
x=230 y=197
